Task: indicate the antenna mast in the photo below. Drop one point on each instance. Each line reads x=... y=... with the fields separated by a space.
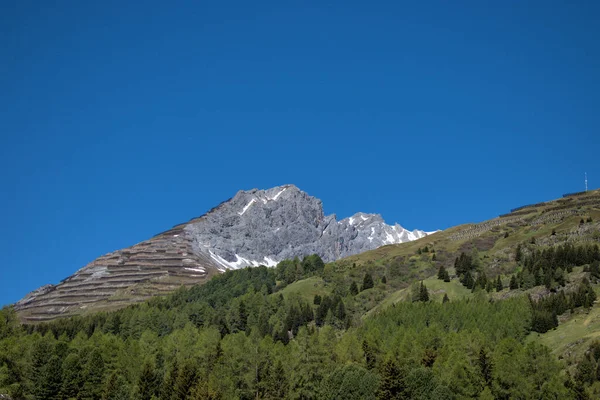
x=586 y=181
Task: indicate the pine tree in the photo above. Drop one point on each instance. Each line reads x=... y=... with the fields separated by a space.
x=185 y=381
x=467 y=280
x=513 y=285
x=93 y=374
x=72 y=376
x=383 y=280
x=168 y=383
x=116 y=388
x=518 y=253
x=50 y=379
x=276 y=384
x=369 y=352
x=353 y=289
x=485 y=367
x=147 y=385
x=392 y=385
x=443 y=274
x=423 y=293
x=499 y=286
x=445 y=299
x=367 y=282
x=317 y=299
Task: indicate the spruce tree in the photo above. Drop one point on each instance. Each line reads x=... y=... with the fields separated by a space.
x=383 y=280
x=367 y=282
x=513 y=283
x=93 y=374
x=353 y=289
x=185 y=381
x=443 y=274
x=147 y=385
x=116 y=388
x=423 y=293
x=392 y=385
x=518 y=253
x=72 y=376
x=446 y=298
x=485 y=367
x=499 y=286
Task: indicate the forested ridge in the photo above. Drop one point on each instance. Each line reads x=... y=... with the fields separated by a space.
x=245 y=335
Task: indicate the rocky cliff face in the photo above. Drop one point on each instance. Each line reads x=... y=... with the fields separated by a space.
x=256 y=227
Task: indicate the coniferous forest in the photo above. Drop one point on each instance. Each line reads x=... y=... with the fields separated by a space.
x=242 y=336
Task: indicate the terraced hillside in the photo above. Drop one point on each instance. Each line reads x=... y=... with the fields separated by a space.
x=153 y=267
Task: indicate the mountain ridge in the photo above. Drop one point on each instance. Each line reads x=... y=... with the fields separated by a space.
x=254 y=227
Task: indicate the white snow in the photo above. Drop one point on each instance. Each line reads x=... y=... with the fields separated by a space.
x=389 y=239
x=247 y=206
x=175 y=235
x=363 y=217
x=240 y=262
x=270 y=262
x=372 y=233
x=220 y=260
x=351 y=221
x=194 y=269
x=277 y=195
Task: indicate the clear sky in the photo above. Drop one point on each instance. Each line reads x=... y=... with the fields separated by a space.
x=119 y=120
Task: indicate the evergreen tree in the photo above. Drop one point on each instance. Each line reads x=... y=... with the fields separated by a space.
x=367 y=282
x=518 y=253
x=276 y=384
x=147 y=385
x=186 y=378
x=317 y=299
x=423 y=293
x=115 y=388
x=467 y=280
x=499 y=286
x=93 y=374
x=485 y=367
x=383 y=280
x=168 y=383
x=443 y=274
x=353 y=289
x=445 y=299
x=72 y=376
x=49 y=382
x=392 y=384
x=513 y=285
x=370 y=356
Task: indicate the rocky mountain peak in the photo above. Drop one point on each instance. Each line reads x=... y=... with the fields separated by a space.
x=266 y=226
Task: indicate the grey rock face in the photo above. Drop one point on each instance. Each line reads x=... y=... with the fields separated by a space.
x=266 y=226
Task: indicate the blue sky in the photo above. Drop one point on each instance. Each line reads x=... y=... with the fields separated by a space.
x=118 y=121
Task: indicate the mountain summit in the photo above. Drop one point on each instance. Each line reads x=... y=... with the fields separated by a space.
x=267 y=226
x=255 y=227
